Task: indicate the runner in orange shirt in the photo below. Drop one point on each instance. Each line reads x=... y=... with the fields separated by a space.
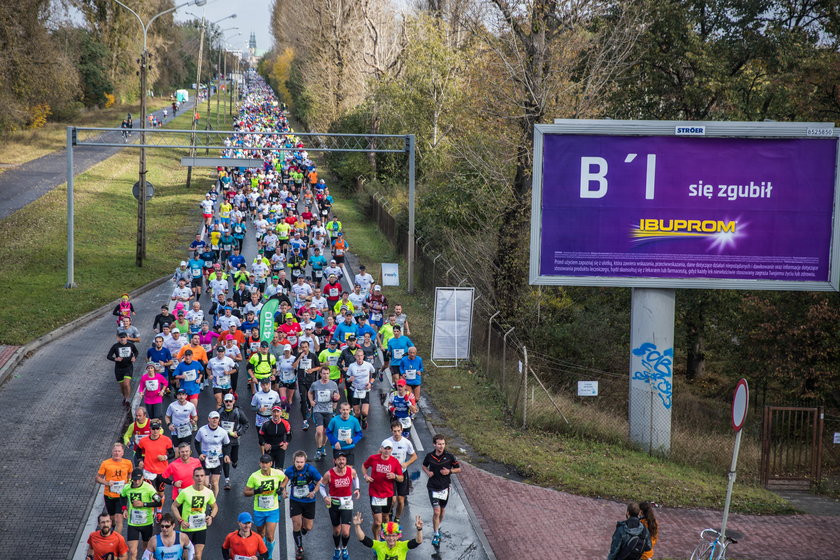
x=114 y=474
x=154 y=453
x=244 y=542
x=105 y=544
x=198 y=351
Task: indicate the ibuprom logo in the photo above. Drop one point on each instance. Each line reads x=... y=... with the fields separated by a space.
x=693 y=130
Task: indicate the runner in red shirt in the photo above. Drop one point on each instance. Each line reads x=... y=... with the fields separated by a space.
x=384 y=470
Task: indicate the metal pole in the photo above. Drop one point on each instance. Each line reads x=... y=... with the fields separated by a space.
x=195 y=108
x=411 y=173
x=218 y=85
x=730 y=484
x=141 y=200
x=489 y=334
x=504 y=359
x=525 y=387
x=71 y=269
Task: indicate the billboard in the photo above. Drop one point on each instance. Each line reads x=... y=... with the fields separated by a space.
x=685 y=205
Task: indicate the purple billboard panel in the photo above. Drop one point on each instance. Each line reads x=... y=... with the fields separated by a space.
x=686 y=208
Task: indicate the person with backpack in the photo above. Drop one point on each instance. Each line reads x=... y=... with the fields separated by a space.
x=648 y=519
x=630 y=539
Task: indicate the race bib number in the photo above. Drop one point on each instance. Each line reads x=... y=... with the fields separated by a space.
x=359 y=394
x=376 y=316
x=125 y=352
x=324 y=396
x=405 y=422
x=116 y=486
x=369 y=359
x=197 y=521
x=292 y=339
x=196 y=272
x=411 y=374
x=441 y=494
x=374 y=501
x=139 y=517
x=296 y=272
x=300 y=491
x=319 y=274
x=190 y=375
x=227 y=426
x=344 y=434
x=398 y=353
x=184 y=430
x=240 y=557
x=306 y=364
x=343 y=502
x=207 y=347
x=333 y=292
x=267 y=502
x=152 y=384
x=212 y=461
x=332 y=360
x=339 y=252
x=149 y=475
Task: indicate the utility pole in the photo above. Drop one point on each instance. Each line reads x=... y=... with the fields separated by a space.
x=195 y=109
x=141 y=200
x=218 y=84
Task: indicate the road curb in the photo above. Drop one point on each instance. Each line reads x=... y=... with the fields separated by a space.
x=28 y=350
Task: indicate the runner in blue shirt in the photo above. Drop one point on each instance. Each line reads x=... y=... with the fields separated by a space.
x=235 y=260
x=196 y=264
x=398 y=347
x=411 y=369
x=303 y=485
x=344 y=432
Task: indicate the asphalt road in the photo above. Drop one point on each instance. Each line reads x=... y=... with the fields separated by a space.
x=460 y=540
x=28 y=182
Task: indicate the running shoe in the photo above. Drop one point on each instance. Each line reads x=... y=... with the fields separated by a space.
x=227 y=484
x=305 y=425
x=345 y=554
x=436 y=540
x=299 y=553
x=337 y=554
x=364 y=423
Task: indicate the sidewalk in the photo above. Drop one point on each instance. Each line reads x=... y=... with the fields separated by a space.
x=529 y=522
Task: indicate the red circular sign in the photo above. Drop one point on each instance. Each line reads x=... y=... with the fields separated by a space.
x=740 y=403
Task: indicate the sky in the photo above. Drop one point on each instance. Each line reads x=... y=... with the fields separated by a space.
x=252 y=16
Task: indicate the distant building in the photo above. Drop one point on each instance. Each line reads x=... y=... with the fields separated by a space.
x=252 y=50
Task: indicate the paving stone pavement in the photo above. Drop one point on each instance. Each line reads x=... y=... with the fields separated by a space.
x=559 y=525
x=59 y=414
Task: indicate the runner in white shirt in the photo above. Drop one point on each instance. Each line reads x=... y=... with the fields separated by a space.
x=403 y=450
x=360 y=376
x=213 y=438
x=301 y=290
x=263 y=400
x=333 y=269
x=357 y=298
x=181 y=417
x=181 y=293
x=219 y=286
x=226 y=320
x=364 y=279
x=195 y=316
x=221 y=368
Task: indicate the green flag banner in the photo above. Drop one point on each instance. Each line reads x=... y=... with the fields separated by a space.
x=267 y=312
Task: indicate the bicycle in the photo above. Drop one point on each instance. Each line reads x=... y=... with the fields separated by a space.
x=712 y=548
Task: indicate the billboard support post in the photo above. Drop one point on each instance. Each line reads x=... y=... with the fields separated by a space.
x=651 y=368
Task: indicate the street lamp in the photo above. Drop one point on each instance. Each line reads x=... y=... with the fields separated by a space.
x=221 y=46
x=204 y=25
x=144 y=56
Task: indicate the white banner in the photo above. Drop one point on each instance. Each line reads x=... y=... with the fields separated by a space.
x=453 y=323
x=390 y=274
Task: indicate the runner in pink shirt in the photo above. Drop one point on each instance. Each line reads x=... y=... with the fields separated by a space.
x=179 y=473
x=152 y=386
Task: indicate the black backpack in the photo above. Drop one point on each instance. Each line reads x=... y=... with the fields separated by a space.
x=632 y=546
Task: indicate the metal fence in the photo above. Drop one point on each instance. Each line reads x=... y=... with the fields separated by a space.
x=541 y=391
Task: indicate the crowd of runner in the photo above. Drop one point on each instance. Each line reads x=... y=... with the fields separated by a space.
x=265 y=338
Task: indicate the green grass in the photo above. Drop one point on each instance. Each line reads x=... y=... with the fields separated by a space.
x=25 y=145
x=472 y=408
x=33 y=250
